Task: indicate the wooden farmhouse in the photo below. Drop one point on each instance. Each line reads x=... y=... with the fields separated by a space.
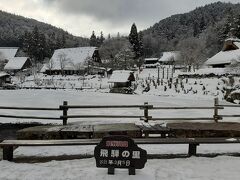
x=17 y=64
x=10 y=62
x=70 y=61
x=122 y=81
x=4 y=78
x=150 y=62
x=229 y=54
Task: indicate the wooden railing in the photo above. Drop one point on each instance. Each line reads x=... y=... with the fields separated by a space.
x=145 y=107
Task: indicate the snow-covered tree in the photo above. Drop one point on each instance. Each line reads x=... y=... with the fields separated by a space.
x=124 y=59
x=134 y=40
x=234 y=67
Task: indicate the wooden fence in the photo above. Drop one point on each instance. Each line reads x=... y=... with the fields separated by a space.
x=145 y=107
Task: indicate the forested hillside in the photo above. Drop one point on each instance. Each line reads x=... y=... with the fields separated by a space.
x=206 y=26
x=13 y=28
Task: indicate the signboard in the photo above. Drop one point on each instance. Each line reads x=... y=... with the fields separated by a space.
x=119 y=152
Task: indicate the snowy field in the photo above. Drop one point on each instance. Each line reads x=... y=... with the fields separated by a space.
x=200 y=168
x=54 y=98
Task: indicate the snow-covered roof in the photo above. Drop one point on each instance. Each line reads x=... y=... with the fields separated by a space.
x=120 y=76
x=169 y=56
x=225 y=57
x=206 y=71
x=232 y=39
x=237 y=44
x=73 y=56
x=16 y=63
x=8 y=52
x=2 y=74
x=151 y=59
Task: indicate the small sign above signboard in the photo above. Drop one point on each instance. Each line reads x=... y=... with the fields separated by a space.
x=119 y=152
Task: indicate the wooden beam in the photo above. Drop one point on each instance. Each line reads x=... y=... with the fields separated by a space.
x=30 y=108
x=30 y=117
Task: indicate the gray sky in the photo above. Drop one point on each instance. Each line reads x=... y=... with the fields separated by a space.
x=81 y=17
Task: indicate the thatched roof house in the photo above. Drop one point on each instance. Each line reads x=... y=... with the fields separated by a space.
x=229 y=54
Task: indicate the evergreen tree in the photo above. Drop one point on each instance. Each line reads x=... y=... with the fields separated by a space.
x=236 y=26
x=101 y=38
x=141 y=53
x=140 y=43
x=63 y=41
x=118 y=35
x=60 y=42
x=42 y=48
x=35 y=45
x=134 y=40
x=93 y=39
x=26 y=42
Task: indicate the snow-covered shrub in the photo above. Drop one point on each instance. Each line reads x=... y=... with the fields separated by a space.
x=234 y=97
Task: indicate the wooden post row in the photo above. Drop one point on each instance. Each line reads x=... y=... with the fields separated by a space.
x=146 y=112
x=65 y=110
x=215 y=116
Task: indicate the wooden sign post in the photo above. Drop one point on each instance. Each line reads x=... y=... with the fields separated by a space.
x=119 y=152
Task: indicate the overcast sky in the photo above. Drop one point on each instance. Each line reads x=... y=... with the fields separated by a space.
x=81 y=17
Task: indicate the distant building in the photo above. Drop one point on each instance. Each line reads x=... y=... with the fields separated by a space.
x=70 y=61
x=6 y=53
x=10 y=62
x=150 y=62
x=17 y=64
x=122 y=81
x=4 y=78
x=229 y=54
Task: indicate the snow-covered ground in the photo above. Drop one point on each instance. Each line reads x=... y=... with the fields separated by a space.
x=199 y=168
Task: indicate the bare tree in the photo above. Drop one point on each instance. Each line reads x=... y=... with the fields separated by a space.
x=192 y=53
x=88 y=63
x=62 y=61
x=50 y=65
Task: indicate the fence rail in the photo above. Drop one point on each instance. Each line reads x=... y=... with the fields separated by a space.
x=64 y=108
x=30 y=108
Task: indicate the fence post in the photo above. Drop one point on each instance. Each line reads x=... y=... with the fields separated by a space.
x=65 y=110
x=146 y=112
x=215 y=116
